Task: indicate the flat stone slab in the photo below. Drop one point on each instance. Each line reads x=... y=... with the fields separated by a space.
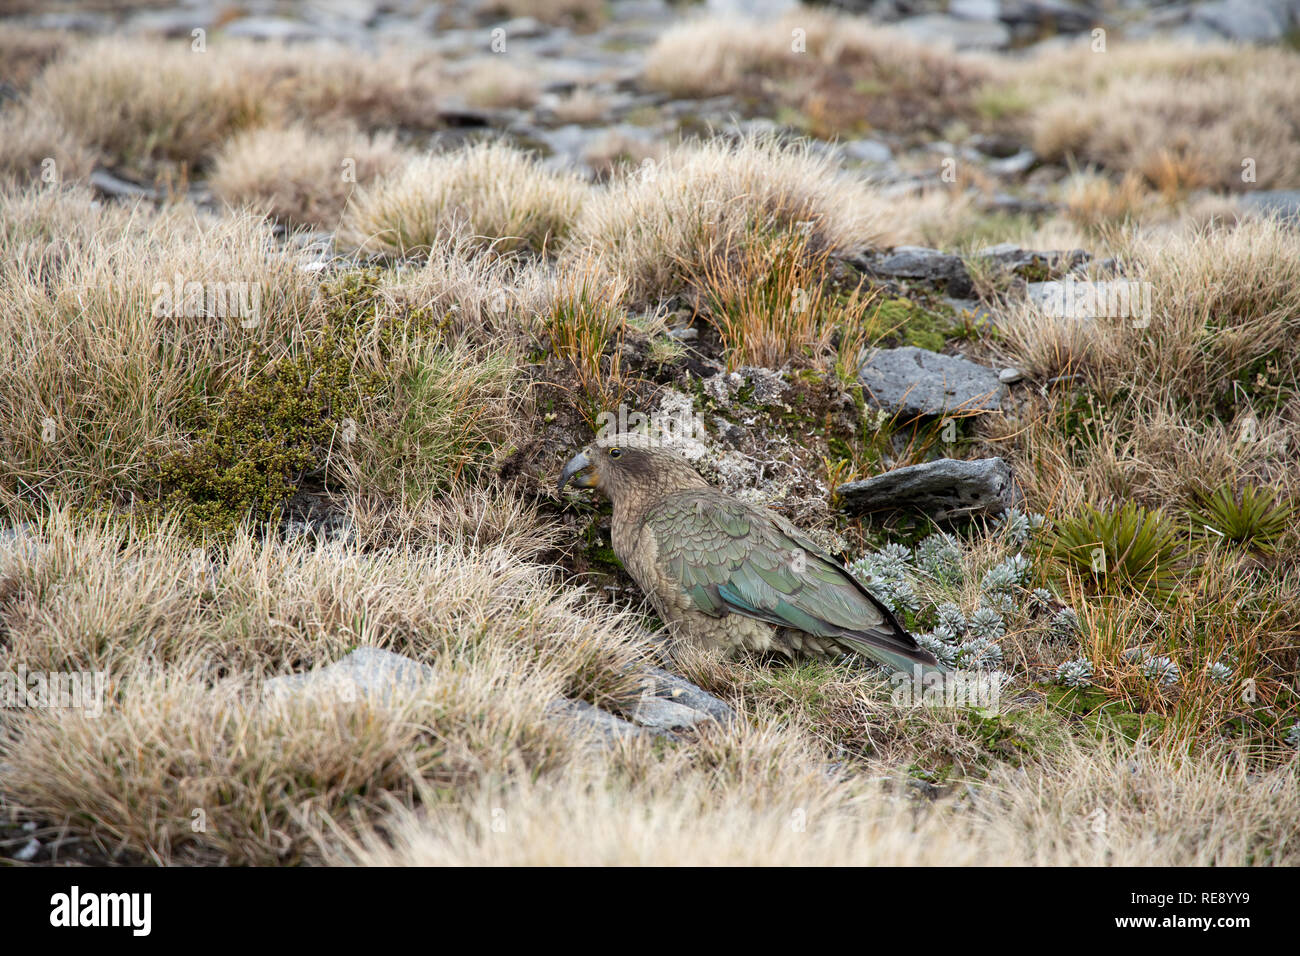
x=681 y=691
x=19 y=544
x=1284 y=203
x=946 y=490
x=657 y=713
x=1009 y=257
x=915 y=382
x=1248 y=21
x=593 y=725
x=919 y=263
x=369 y=672
x=962 y=34
x=667 y=703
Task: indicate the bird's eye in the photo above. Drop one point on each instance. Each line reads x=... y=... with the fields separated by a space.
x=616 y=453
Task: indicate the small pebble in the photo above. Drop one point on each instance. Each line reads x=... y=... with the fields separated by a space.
x=29 y=851
x=1009 y=375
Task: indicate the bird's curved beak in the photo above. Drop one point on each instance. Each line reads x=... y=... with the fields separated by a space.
x=580 y=471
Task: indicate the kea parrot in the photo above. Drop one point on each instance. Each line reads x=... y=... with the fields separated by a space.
x=730 y=576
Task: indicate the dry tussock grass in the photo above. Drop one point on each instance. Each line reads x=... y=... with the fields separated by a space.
x=106 y=595
x=162 y=122
x=771 y=305
x=480 y=298
x=32 y=140
x=1198 y=398
x=300 y=177
x=443 y=562
x=170 y=120
x=1179 y=116
x=492 y=83
x=1089 y=808
x=840 y=72
x=1224 y=300
x=491 y=193
x=657 y=223
x=24 y=52
x=89 y=372
x=261 y=773
x=185 y=638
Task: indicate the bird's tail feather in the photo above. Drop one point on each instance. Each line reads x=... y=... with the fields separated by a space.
x=895 y=658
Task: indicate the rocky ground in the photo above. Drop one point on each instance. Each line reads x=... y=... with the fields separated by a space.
x=996 y=299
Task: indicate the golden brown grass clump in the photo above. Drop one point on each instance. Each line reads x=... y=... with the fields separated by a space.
x=170 y=120
x=661 y=222
x=25 y=52
x=1218 y=343
x=839 y=73
x=1192 y=395
x=36 y=149
x=494 y=83
x=99 y=356
x=162 y=121
x=1179 y=116
x=162 y=622
x=490 y=192
x=300 y=177
x=1088 y=808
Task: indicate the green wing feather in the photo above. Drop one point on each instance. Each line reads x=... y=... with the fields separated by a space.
x=731 y=558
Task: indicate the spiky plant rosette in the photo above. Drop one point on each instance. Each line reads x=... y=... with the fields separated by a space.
x=1019 y=527
x=1075 y=673
x=886 y=575
x=1121 y=550
x=939 y=556
x=1159 y=669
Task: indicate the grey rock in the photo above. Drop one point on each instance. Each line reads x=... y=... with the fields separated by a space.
x=918 y=262
x=1193 y=32
x=115 y=188
x=1021 y=162
x=172 y=23
x=999 y=147
x=272 y=28
x=946 y=490
x=1011 y=258
x=961 y=34
x=656 y=713
x=1249 y=21
x=19 y=543
x=369 y=672
x=670 y=687
x=1065 y=16
x=975 y=9
x=868 y=151
x=914 y=382
x=593 y=725
x=75 y=22
x=523 y=28
x=1009 y=376
x=1285 y=203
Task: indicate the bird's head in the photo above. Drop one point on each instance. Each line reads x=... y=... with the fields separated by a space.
x=623 y=465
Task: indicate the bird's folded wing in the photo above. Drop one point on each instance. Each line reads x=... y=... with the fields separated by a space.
x=728 y=557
